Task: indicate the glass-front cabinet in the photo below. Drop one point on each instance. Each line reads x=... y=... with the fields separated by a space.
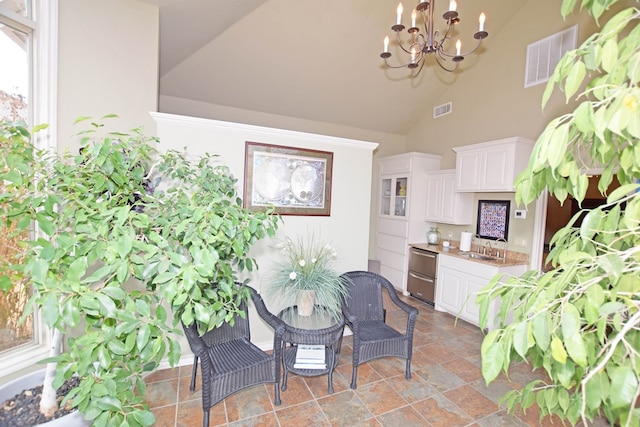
x=393 y=197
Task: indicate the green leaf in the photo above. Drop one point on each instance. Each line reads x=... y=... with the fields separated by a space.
x=564 y=373
x=557 y=350
x=202 y=314
x=583 y=117
x=540 y=327
x=609 y=55
x=576 y=349
x=143 y=336
x=622 y=191
x=520 y=339
x=624 y=385
x=567 y=7
x=107 y=305
x=108 y=403
x=103 y=356
x=99 y=274
x=45 y=224
x=574 y=79
x=570 y=321
x=50 y=313
x=39 y=270
x=125 y=243
x=613 y=266
x=590 y=224
x=596 y=390
x=144 y=417
x=492 y=356
x=117 y=347
x=77 y=269
x=114 y=292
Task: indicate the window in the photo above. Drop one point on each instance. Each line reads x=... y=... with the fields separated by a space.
x=28 y=48
x=15 y=46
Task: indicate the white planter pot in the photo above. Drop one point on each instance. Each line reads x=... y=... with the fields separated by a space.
x=35 y=379
x=305 y=299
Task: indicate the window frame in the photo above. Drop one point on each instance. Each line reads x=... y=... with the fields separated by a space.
x=42 y=107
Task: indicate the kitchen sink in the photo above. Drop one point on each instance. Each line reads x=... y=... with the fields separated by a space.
x=481 y=257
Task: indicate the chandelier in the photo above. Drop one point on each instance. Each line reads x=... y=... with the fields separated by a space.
x=431 y=42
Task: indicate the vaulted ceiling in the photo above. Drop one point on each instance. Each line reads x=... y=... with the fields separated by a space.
x=308 y=59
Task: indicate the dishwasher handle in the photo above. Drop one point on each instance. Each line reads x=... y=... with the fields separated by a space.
x=423 y=253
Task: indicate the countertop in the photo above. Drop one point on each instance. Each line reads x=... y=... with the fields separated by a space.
x=513 y=258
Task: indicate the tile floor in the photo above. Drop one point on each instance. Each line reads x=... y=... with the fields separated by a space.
x=446 y=388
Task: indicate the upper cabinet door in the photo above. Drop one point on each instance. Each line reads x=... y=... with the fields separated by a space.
x=469 y=171
x=491 y=166
x=385 y=196
x=393 y=197
x=443 y=203
x=434 y=197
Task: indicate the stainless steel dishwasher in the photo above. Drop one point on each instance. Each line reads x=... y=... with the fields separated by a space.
x=421 y=279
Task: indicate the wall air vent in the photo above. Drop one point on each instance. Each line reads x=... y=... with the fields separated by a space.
x=442 y=110
x=544 y=55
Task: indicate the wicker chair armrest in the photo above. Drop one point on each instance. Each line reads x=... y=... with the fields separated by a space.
x=409 y=309
x=196 y=343
x=271 y=319
x=350 y=317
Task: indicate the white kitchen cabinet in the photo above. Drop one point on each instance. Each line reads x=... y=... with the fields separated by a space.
x=443 y=203
x=400 y=211
x=460 y=281
x=491 y=166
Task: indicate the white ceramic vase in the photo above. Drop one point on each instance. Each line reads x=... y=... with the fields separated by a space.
x=305 y=299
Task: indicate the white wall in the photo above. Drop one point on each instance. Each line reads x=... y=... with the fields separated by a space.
x=346 y=229
x=108 y=64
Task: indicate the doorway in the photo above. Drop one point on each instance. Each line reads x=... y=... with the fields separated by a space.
x=558 y=215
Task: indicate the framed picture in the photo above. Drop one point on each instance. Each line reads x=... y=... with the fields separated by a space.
x=493 y=219
x=296 y=181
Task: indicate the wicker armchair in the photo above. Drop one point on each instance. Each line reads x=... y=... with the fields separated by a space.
x=365 y=315
x=230 y=362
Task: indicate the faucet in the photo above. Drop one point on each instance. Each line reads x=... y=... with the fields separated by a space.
x=504 y=250
x=484 y=249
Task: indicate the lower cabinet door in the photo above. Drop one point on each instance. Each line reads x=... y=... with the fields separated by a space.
x=449 y=290
x=470 y=309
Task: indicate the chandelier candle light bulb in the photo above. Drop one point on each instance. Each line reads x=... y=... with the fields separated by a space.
x=431 y=42
x=386 y=44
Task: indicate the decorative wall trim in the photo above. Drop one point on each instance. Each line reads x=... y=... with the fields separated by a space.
x=267 y=132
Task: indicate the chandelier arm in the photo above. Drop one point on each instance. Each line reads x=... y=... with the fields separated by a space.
x=449 y=32
x=415 y=73
x=386 y=62
x=445 y=68
x=448 y=55
x=416 y=43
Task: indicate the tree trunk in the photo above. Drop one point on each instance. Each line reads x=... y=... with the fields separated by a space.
x=48 y=403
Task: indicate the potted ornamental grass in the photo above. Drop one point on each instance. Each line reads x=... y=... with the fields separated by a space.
x=303 y=276
x=119 y=243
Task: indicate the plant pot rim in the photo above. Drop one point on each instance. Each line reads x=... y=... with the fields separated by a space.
x=33 y=379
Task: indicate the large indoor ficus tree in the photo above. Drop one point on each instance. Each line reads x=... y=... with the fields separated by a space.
x=580 y=322
x=123 y=231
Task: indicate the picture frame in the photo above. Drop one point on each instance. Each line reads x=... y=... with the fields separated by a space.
x=493 y=219
x=294 y=181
